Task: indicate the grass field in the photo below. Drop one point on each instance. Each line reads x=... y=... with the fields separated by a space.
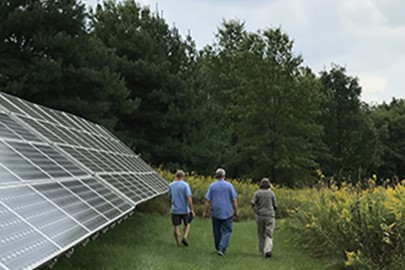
x=145 y=241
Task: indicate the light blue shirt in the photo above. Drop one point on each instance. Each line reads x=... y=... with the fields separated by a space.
x=221 y=194
x=178 y=192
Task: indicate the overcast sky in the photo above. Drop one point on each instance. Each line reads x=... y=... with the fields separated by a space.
x=365 y=36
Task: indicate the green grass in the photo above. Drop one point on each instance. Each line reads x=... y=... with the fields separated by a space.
x=145 y=241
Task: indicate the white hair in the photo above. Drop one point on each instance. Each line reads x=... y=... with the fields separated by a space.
x=220 y=173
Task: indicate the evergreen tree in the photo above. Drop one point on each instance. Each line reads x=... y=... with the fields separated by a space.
x=48 y=57
x=156 y=64
x=349 y=133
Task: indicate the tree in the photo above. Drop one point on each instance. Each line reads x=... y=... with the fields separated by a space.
x=48 y=57
x=349 y=133
x=271 y=102
x=390 y=122
x=157 y=65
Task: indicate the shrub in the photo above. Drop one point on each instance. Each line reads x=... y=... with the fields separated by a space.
x=364 y=228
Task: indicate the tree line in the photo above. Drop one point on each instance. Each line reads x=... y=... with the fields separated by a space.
x=245 y=102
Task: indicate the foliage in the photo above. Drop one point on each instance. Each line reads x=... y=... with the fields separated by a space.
x=364 y=228
x=270 y=103
x=349 y=132
x=390 y=122
x=48 y=57
x=157 y=65
x=246 y=102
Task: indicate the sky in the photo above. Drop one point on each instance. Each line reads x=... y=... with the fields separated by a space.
x=365 y=36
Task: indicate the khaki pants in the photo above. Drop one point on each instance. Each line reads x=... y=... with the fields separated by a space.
x=265 y=228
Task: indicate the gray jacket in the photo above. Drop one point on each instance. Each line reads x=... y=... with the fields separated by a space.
x=265 y=204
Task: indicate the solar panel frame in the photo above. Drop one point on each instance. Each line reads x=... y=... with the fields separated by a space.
x=21 y=203
x=21 y=107
x=61 y=249
x=101 y=188
x=21 y=220
x=128 y=187
x=62 y=161
x=54 y=132
x=19 y=165
x=8 y=106
x=5 y=171
x=73 y=205
x=47 y=165
x=98 y=202
x=21 y=132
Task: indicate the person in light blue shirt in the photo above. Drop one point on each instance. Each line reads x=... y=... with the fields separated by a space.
x=221 y=198
x=182 y=207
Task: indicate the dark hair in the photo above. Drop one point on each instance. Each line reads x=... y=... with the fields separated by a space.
x=265 y=183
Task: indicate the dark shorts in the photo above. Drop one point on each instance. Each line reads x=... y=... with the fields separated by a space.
x=176 y=219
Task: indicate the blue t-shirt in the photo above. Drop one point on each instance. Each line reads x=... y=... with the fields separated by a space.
x=221 y=194
x=178 y=192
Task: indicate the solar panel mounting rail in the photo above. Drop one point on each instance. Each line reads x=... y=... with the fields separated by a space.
x=63 y=179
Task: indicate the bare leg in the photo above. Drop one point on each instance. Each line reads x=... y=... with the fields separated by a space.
x=176 y=233
x=186 y=231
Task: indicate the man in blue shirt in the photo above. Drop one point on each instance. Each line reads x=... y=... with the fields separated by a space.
x=182 y=207
x=221 y=197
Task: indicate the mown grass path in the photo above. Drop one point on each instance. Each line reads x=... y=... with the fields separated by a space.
x=145 y=241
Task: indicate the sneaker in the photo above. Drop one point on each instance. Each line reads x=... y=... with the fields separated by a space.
x=267 y=255
x=220 y=253
x=184 y=242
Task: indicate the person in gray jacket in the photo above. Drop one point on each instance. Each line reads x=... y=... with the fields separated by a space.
x=264 y=204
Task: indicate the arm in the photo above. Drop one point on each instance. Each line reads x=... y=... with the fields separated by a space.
x=234 y=195
x=235 y=207
x=207 y=205
x=189 y=199
x=254 y=203
x=274 y=202
x=190 y=205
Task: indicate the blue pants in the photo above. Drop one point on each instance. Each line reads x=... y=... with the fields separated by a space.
x=222 y=229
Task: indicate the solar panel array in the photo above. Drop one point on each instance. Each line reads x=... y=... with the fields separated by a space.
x=62 y=179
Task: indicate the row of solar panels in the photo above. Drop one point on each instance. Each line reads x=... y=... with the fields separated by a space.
x=62 y=179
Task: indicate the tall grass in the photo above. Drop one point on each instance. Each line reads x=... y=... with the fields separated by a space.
x=363 y=228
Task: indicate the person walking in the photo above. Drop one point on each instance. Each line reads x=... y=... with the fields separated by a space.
x=182 y=207
x=221 y=198
x=264 y=205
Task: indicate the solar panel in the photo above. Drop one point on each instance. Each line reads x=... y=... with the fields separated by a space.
x=18 y=131
x=18 y=164
x=51 y=222
x=22 y=245
x=62 y=179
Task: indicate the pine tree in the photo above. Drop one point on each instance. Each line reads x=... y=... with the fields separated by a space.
x=48 y=57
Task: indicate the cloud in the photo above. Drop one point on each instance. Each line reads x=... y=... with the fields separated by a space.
x=374 y=87
x=365 y=36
